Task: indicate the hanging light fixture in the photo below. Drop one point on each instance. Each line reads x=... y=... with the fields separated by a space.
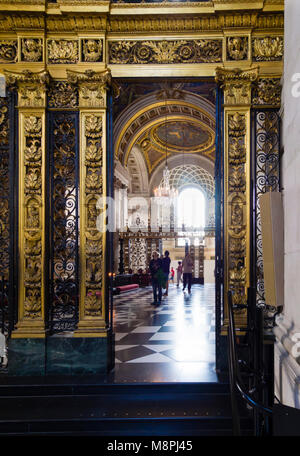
x=164 y=189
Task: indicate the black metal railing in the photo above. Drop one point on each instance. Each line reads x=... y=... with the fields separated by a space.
x=261 y=412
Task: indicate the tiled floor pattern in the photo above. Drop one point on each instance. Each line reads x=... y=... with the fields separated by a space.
x=172 y=342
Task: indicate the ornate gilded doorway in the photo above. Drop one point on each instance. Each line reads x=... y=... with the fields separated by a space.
x=158 y=123
x=58 y=63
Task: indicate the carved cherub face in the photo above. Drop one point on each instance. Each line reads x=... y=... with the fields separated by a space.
x=31 y=45
x=91 y=45
x=236 y=43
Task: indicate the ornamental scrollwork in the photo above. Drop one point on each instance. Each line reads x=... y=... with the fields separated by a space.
x=8 y=51
x=268 y=48
x=32 y=49
x=165 y=52
x=63 y=51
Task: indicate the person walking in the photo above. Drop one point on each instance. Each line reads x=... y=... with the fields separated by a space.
x=172 y=274
x=166 y=261
x=187 y=267
x=179 y=273
x=155 y=267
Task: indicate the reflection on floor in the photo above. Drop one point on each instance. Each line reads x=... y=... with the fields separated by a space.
x=174 y=342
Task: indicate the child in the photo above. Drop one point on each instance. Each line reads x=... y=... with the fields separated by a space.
x=172 y=274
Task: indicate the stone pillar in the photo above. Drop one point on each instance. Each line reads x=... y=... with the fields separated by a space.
x=27 y=344
x=236 y=85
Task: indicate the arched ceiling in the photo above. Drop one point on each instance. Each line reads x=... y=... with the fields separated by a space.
x=158 y=125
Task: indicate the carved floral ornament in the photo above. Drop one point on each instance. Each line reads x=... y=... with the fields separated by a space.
x=93 y=237
x=267 y=48
x=165 y=51
x=32 y=162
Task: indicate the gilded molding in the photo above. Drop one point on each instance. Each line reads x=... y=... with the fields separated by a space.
x=68 y=23
x=129 y=24
x=165 y=52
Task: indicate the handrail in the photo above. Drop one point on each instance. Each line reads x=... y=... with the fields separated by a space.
x=236 y=383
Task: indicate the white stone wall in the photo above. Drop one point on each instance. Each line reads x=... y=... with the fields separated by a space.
x=287 y=369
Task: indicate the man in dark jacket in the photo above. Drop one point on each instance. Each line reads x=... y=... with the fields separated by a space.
x=155 y=265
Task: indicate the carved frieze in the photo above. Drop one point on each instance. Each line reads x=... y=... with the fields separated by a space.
x=268 y=48
x=63 y=51
x=165 y=52
x=237 y=48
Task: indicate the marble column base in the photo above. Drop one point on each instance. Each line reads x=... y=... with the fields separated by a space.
x=26 y=356
x=57 y=355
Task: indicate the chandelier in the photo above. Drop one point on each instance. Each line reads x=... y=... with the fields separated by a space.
x=164 y=190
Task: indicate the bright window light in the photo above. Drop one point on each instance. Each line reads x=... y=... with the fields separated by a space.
x=191 y=208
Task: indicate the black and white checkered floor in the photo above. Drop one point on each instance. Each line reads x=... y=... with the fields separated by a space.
x=172 y=342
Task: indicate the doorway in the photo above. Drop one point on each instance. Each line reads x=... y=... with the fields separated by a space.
x=162 y=124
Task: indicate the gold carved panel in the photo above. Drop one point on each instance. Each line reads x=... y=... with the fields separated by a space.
x=165 y=51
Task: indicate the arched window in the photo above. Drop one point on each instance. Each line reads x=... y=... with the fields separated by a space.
x=191 y=208
x=190 y=212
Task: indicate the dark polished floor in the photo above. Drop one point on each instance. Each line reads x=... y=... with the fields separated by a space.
x=174 y=342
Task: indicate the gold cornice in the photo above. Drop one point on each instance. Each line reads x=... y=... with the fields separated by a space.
x=72 y=23
x=130 y=23
x=23 y=5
